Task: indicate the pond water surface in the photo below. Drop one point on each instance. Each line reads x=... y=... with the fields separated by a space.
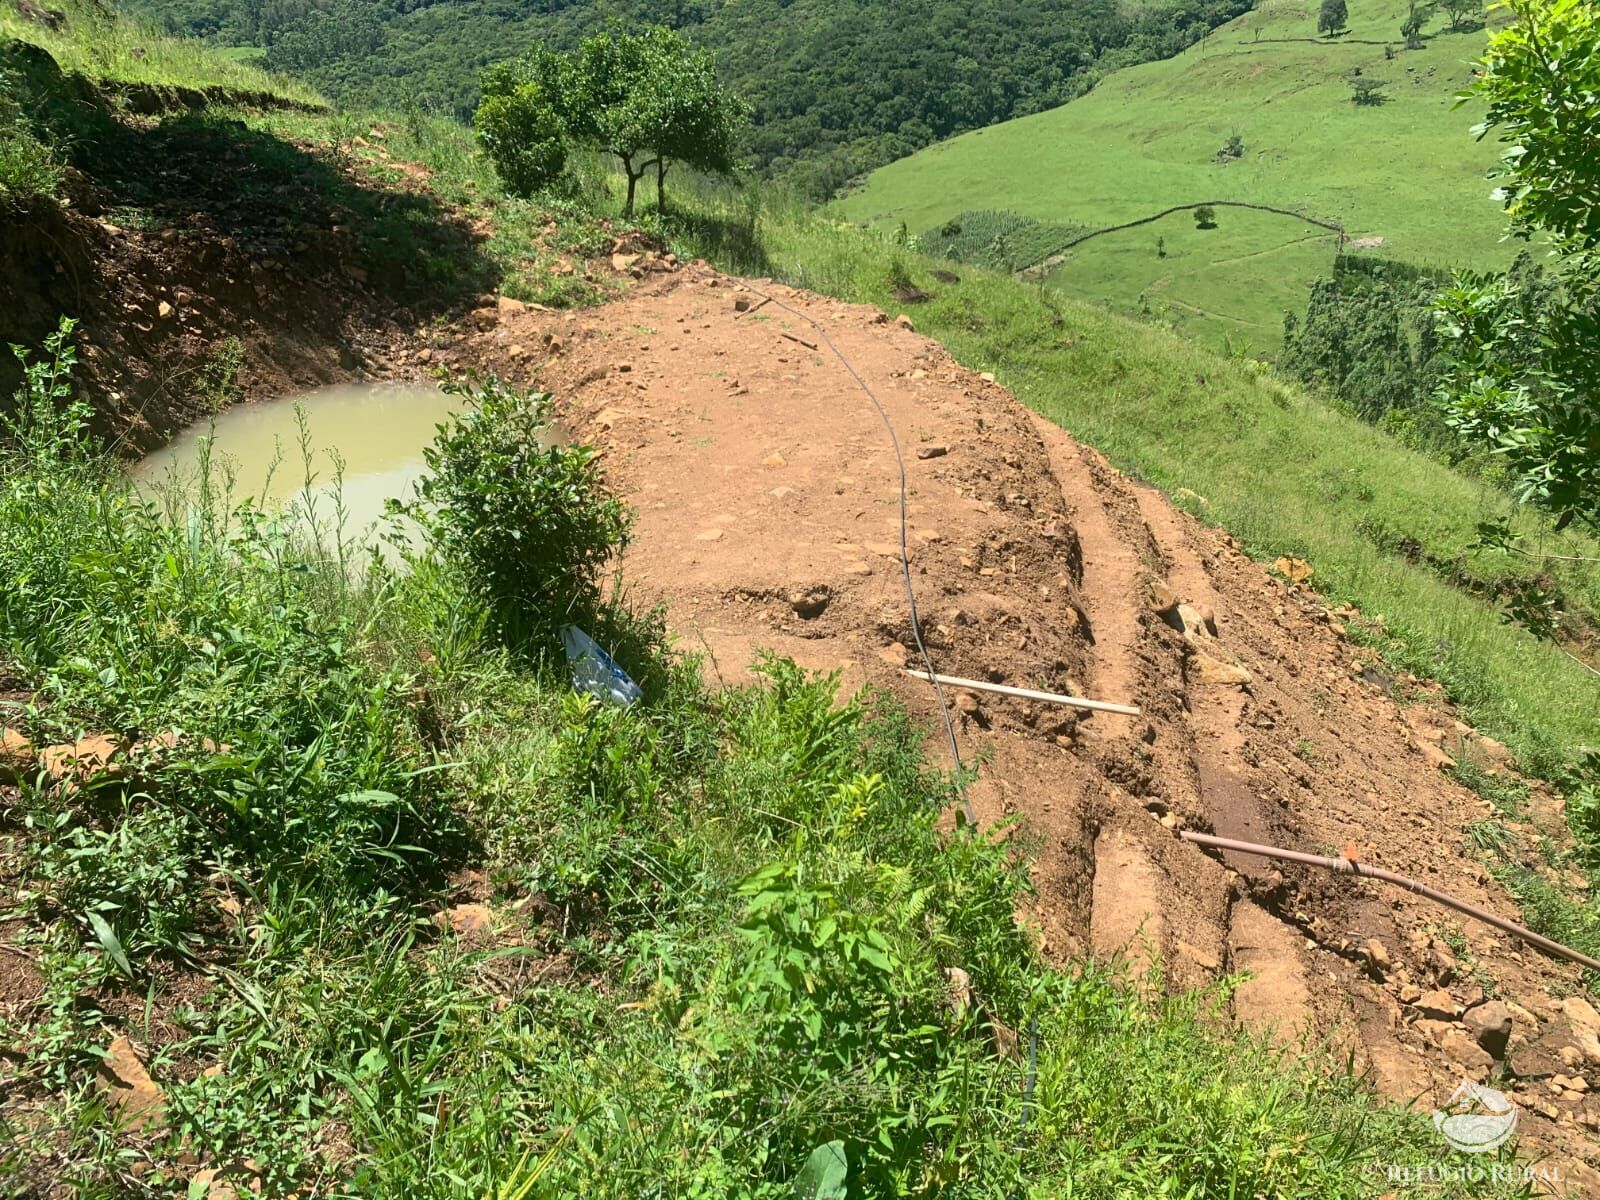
x=270 y=451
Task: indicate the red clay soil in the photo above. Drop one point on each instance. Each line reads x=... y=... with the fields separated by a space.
x=767 y=503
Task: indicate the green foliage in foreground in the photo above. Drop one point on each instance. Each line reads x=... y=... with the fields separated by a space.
x=725 y=921
x=1525 y=381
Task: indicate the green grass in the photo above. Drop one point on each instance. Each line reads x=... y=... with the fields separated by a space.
x=1147 y=137
x=110 y=48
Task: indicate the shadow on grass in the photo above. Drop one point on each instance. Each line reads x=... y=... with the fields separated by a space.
x=732 y=242
x=207 y=173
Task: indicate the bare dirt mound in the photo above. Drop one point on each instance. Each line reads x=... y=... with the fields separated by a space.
x=768 y=518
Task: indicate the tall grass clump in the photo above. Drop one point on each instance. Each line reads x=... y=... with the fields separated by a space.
x=391 y=911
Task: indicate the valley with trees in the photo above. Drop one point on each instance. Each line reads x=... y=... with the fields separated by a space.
x=856 y=501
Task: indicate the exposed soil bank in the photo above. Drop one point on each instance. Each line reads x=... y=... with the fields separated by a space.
x=767 y=502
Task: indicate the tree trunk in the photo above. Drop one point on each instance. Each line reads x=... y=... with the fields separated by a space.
x=661 y=184
x=633 y=183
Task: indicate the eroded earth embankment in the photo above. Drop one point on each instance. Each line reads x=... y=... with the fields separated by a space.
x=768 y=504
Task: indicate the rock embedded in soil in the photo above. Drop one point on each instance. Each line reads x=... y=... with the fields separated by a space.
x=934 y=451
x=1490 y=1026
x=810 y=603
x=81 y=760
x=1160 y=596
x=467 y=920
x=1439 y=1004
x=1194 y=624
x=1378 y=961
x=1213 y=672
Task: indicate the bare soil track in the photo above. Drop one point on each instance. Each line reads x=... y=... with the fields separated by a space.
x=768 y=519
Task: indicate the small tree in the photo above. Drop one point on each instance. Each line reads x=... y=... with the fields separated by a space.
x=1205 y=217
x=1366 y=90
x=1460 y=11
x=521 y=127
x=1412 y=29
x=1332 y=17
x=651 y=100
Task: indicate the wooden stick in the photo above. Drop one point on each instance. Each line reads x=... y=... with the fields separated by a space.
x=793 y=337
x=978 y=685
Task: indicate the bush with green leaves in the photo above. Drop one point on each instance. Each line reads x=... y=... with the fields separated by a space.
x=1524 y=381
x=521 y=127
x=524 y=518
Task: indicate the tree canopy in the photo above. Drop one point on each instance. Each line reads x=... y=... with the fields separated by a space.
x=1525 y=380
x=650 y=99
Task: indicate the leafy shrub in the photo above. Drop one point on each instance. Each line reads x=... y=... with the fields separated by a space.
x=521 y=131
x=1367 y=91
x=1205 y=217
x=524 y=519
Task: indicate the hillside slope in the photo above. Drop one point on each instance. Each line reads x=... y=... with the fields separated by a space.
x=837 y=86
x=766 y=488
x=1405 y=175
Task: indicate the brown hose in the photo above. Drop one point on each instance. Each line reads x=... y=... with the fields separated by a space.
x=1351 y=867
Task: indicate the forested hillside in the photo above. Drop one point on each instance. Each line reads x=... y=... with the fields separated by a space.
x=838 y=86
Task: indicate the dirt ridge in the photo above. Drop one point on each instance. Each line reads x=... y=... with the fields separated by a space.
x=767 y=513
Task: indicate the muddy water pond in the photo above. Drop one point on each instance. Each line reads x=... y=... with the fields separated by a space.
x=353 y=447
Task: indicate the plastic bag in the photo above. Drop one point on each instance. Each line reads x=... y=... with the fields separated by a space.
x=594 y=672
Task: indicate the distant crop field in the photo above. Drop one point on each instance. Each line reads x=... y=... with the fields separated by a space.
x=1405 y=176
x=1007 y=241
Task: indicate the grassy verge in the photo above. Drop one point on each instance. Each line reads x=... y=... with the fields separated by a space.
x=388 y=911
x=109 y=47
